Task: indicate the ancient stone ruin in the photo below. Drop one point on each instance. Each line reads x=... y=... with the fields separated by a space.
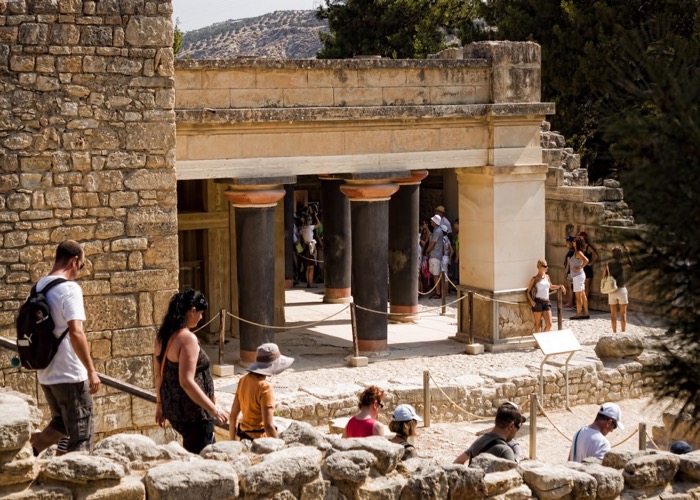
x=305 y=464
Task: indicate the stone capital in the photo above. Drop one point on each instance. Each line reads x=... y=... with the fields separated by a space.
x=254 y=196
x=415 y=178
x=366 y=190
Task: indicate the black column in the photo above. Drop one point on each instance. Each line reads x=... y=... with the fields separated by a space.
x=288 y=236
x=403 y=247
x=337 y=242
x=369 y=215
x=255 y=247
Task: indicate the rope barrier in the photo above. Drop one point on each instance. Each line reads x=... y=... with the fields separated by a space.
x=478 y=417
x=434 y=287
x=208 y=323
x=317 y=261
x=499 y=301
x=410 y=314
x=286 y=329
x=626 y=439
x=544 y=413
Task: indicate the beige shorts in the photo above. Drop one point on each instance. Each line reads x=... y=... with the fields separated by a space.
x=435 y=266
x=579 y=283
x=619 y=296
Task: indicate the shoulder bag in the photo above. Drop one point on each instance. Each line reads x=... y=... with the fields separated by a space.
x=608 y=284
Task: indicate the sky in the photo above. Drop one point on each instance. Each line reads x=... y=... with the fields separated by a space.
x=195 y=14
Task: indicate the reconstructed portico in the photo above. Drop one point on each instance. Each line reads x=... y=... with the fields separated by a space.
x=371 y=129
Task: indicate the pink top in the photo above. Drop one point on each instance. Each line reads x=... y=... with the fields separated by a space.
x=360 y=428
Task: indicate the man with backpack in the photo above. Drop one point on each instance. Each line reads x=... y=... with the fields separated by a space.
x=496 y=442
x=70 y=378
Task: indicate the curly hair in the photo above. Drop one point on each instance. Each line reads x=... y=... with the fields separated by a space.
x=175 y=318
x=370 y=395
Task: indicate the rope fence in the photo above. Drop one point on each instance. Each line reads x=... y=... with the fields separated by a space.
x=285 y=329
x=207 y=323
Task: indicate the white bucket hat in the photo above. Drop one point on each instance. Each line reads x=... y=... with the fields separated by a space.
x=269 y=361
x=436 y=219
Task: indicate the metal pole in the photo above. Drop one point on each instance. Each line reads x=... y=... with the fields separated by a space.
x=426 y=398
x=222 y=335
x=533 y=427
x=471 y=316
x=560 y=314
x=642 y=436
x=353 y=323
x=443 y=294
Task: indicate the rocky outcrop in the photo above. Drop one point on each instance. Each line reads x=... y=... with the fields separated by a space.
x=132 y=467
x=629 y=345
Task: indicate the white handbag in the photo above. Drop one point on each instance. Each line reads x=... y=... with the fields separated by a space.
x=608 y=284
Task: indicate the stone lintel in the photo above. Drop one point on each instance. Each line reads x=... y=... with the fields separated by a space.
x=264 y=63
x=235 y=117
x=492 y=171
x=258 y=181
x=373 y=176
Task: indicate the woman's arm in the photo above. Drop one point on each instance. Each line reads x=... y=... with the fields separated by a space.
x=594 y=255
x=582 y=258
x=233 y=422
x=378 y=429
x=555 y=287
x=189 y=352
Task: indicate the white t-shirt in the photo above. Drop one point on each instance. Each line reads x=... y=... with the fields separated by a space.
x=307 y=233
x=66 y=303
x=588 y=443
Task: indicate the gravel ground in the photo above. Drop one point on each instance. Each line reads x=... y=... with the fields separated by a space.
x=322 y=365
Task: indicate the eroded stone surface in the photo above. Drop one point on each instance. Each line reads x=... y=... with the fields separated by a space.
x=194 y=479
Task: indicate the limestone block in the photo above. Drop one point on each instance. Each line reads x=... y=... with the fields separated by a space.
x=464 y=482
x=305 y=434
x=146 y=31
x=491 y=463
x=318 y=489
x=558 y=481
x=22 y=469
x=142 y=136
x=629 y=345
x=194 y=479
x=39 y=492
x=690 y=466
x=174 y=451
x=163 y=179
x=129 y=488
x=651 y=471
x=380 y=488
x=264 y=446
x=151 y=221
x=115 y=411
x=498 y=483
x=289 y=468
x=142 y=281
x=388 y=454
x=110 y=261
x=351 y=466
x=82 y=469
x=522 y=492
x=427 y=482
x=139 y=450
x=133 y=342
x=137 y=370
x=610 y=482
x=15 y=424
x=225 y=451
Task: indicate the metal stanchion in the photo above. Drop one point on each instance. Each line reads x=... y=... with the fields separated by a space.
x=642 y=436
x=560 y=312
x=222 y=334
x=426 y=398
x=533 y=427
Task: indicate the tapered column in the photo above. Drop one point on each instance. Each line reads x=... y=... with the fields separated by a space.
x=403 y=248
x=289 y=236
x=255 y=248
x=337 y=242
x=369 y=214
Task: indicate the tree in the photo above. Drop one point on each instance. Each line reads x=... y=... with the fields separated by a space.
x=579 y=40
x=389 y=28
x=654 y=130
x=177 y=38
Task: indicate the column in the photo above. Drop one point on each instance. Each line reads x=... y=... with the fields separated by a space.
x=255 y=249
x=403 y=248
x=288 y=236
x=337 y=241
x=369 y=214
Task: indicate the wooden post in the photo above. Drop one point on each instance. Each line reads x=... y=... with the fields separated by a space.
x=443 y=294
x=353 y=323
x=533 y=427
x=642 y=436
x=426 y=398
x=560 y=313
x=471 y=316
x=222 y=335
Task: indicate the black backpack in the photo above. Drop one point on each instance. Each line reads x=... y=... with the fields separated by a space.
x=36 y=343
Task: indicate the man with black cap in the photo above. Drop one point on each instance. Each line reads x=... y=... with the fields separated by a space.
x=495 y=442
x=590 y=441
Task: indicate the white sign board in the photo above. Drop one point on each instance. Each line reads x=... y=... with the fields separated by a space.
x=558 y=342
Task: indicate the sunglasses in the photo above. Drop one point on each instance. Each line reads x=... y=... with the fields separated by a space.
x=81 y=265
x=381 y=405
x=545 y=265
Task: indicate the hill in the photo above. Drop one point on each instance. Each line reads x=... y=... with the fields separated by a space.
x=285 y=34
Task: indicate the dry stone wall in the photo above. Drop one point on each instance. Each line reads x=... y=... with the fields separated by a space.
x=87 y=145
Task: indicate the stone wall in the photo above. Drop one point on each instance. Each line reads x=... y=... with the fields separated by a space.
x=600 y=211
x=305 y=464
x=87 y=145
